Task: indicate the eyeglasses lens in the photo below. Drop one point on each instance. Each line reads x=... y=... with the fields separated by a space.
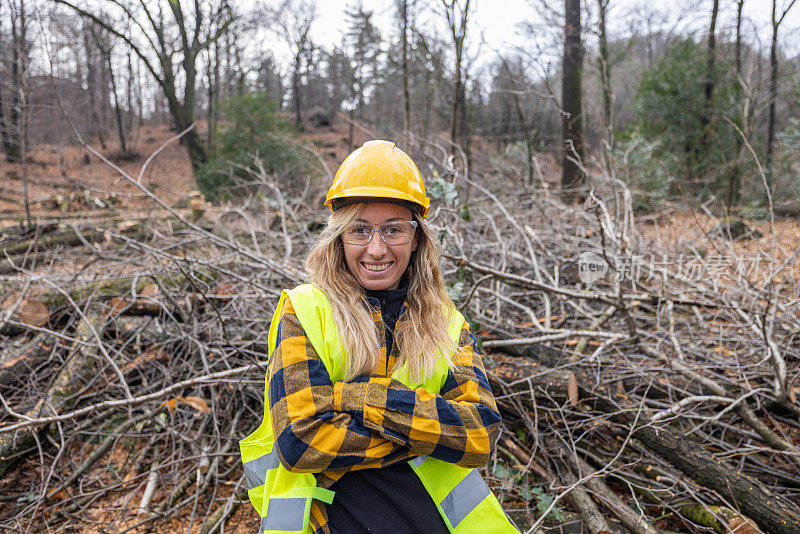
x=392 y=233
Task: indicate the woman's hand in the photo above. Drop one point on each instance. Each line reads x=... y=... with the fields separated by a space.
x=310 y=434
x=459 y=425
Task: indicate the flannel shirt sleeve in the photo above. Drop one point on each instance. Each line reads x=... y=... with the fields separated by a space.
x=459 y=425
x=310 y=435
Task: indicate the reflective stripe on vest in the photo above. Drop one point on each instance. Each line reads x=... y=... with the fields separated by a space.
x=418 y=460
x=255 y=471
x=285 y=514
x=464 y=498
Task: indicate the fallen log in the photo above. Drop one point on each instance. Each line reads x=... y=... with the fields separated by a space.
x=60 y=395
x=720 y=518
x=771 y=512
x=14 y=234
x=18 y=360
x=635 y=523
x=588 y=510
x=66 y=238
x=12 y=254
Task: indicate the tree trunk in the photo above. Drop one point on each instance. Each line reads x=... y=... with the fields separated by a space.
x=604 y=61
x=91 y=87
x=129 y=95
x=710 y=64
x=734 y=183
x=13 y=144
x=528 y=128
x=184 y=117
x=739 y=6
x=773 y=92
x=3 y=128
x=212 y=77
x=406 y=92
x=298 y=120
x=120 y=126
x=572 y=117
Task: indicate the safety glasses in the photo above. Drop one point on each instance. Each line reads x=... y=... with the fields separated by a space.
x=392 y=232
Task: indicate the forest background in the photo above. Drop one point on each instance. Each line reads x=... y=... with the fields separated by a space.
x=616 y=188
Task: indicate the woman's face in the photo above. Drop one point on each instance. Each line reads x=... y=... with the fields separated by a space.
x=377 y=265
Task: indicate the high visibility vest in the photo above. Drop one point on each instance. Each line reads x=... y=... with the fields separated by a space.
x=283 y=499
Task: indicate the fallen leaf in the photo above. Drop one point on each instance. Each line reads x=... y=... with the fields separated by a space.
x=34 y=313
x=126 y=225
x=117 y=305
x=171 y=403
x=195 y=402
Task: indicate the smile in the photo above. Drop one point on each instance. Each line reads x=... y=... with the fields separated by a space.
x=377 y=268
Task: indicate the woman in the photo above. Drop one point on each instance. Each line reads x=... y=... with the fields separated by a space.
x=377 y=407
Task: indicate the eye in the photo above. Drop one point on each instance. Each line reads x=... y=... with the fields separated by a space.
x=359 y=230
x=391 y=229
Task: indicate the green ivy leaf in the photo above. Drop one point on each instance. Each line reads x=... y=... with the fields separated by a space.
x=456 y=291
x=441 y=189
x=501 y=471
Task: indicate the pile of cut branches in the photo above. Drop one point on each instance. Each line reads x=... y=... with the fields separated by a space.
x=638 y=394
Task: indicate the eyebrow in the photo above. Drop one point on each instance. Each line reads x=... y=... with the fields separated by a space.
x=387 y=220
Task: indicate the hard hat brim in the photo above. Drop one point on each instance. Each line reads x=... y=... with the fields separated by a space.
x=377 y=194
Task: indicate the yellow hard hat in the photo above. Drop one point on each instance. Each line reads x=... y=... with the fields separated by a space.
x=379 y=170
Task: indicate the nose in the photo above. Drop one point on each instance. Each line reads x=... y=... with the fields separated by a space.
x=376 y=247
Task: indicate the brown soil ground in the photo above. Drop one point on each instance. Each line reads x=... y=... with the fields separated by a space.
x=686 y=232
x=54 y=171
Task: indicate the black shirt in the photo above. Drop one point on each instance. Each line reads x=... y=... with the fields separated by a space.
x=391 y=499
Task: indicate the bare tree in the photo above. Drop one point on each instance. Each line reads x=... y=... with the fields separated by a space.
x=710 y=64
x=3 y=127
x=604 y=61
x=403 y=12
x=91 y=84
x=212 y=80
x=777 y=19
x=105 y=45
x=16 y=131
x=457 y=16
x=527 y=122
x=571 y=101
x=184 y=36
x=292 y=22
x=739 y=6
x=338 y=80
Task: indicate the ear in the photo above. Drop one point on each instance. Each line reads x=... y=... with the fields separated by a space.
x=415 y=242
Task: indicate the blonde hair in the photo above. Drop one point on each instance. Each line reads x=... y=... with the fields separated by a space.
x=421 y=335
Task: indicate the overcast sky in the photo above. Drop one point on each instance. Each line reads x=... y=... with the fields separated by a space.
x=499 y=20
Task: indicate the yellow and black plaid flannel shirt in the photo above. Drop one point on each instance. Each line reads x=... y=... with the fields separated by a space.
x=330 y=428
